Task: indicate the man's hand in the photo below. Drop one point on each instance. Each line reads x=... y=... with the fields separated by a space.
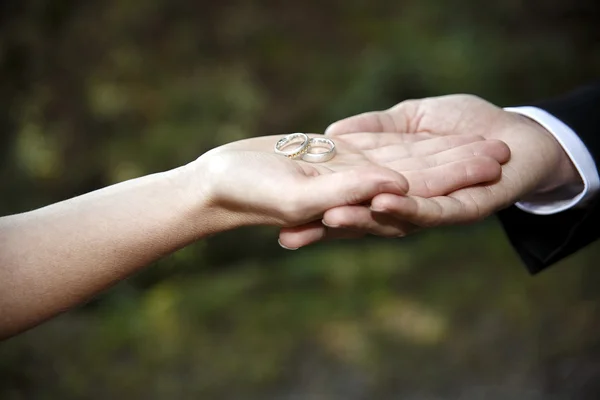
x=537 y=165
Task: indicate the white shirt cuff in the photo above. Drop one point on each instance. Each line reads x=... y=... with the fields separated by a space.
x=579 y=155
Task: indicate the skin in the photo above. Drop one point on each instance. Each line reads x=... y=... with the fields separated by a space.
x=56 y=257
x=538 y=166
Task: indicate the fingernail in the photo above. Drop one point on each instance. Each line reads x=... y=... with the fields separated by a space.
x=329 y=225
x=375 y=209
x=285 y=247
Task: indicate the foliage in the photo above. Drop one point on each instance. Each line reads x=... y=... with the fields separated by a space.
x=101 y=91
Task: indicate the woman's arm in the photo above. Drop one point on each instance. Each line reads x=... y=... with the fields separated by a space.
x=60 y=255
x=56 y=257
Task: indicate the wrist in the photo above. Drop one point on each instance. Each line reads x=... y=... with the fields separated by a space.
x=200 y=182
x=562 y=174
x=195 y=202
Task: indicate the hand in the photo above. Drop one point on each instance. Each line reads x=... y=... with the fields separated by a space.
x=537 y=164
x=248 y=184
x=55 y=257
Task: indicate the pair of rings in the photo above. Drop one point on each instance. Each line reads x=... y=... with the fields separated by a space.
x=303 y=147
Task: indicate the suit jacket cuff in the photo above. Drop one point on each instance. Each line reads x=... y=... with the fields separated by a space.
x=543 y=240
x=580 y=157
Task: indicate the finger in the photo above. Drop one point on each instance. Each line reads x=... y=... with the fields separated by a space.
x=365 y=140
x=448 y=178
x=399 y=149
x=303 y=235
x=397 y=120
x=362 y=219
x=464 y=206
x=493 y=149
x=319 y=193
x=373 y=121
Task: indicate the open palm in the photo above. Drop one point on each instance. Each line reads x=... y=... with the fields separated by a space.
x=535 y=156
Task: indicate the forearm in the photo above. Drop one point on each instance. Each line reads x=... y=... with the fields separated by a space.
x=571 y=213
x=563 y=175
x=58 y=256
x=573 y=120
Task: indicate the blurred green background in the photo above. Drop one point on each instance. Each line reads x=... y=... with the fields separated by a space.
x=96 y=92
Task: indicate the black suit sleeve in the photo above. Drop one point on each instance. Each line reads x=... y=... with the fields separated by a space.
x=542 y=240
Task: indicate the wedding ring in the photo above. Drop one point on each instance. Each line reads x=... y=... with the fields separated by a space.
x=296 y=151
x=320 y=156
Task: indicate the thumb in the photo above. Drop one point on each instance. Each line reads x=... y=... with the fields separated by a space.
x=373 y=121
x=355 y=186
x=395 y=119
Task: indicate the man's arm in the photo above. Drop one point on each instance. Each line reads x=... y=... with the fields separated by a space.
x=542 y=240
x=539 y=166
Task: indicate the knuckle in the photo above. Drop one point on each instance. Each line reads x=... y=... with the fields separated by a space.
x=433 y=218
x=354 y=196
x=470 y=96
x=332 y=130
x=474 y=213
x=428 y=188
x=405 y=103
x=467 y=138
x=482 y=169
